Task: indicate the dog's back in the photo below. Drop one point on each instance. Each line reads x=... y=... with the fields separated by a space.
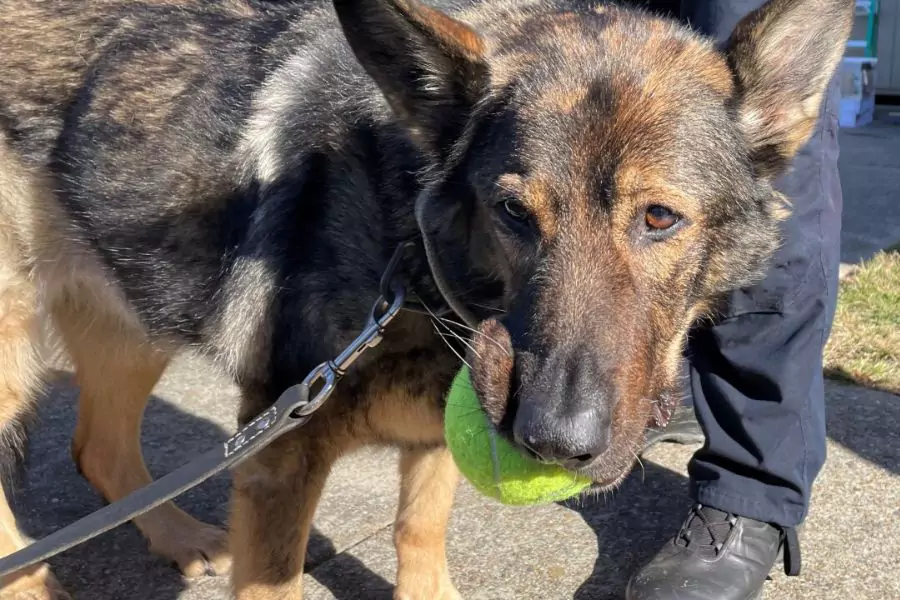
x=124 y=210
x=135 y=112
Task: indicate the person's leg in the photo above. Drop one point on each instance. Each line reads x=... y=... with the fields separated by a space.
x=756 y=382
x=756 y=375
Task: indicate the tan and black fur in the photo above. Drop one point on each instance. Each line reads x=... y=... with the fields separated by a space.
x=230 y=177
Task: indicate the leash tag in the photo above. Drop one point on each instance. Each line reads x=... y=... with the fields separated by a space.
x=255 y=428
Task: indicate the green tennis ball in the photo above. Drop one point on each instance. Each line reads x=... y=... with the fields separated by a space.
x=494 y=466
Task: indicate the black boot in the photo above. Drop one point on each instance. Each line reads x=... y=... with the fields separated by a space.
x=682 y=428
x=716 y=556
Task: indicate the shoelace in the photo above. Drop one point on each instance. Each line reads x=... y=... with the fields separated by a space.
x=791 y=551
x=706 y=531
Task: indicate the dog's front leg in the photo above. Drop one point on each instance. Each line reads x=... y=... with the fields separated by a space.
x=428 y=484
x=274 y=497
x=20 y=382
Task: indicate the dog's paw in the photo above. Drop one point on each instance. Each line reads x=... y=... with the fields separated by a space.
x=196 y=548
x=39 y=584
x=427 y=589
x=450 y=594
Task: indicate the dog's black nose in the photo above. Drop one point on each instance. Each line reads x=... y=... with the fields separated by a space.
x=570 y=439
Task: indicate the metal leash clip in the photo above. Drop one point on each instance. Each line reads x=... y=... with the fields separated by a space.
x=297 y=403
x=330 y=372
x=388 y=306
x=295 y=406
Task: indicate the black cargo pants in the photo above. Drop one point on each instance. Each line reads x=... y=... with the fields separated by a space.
x=756 y=374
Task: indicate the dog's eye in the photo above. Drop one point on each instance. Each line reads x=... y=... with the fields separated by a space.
x=660 y=218
x=515 y=209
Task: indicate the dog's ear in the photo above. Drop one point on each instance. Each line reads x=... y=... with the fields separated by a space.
x=429 y=66
x=783 y=55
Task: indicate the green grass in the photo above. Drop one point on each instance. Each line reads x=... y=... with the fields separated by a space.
x=865 y=341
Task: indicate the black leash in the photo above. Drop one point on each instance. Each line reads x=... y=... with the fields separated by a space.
x=292 y=410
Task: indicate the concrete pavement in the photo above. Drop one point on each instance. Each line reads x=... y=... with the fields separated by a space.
x=851 y=541
x=585 y=551
x=870 y=176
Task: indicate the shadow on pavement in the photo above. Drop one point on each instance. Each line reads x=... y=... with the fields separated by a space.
x=844 y=376
x=631 y=526
x=649 y=507
x=345 y=576
x=118 y=564
x=53 y=494
x=865 y=422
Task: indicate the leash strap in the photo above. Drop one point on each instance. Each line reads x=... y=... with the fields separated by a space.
x=275 y=421
x=292 y=410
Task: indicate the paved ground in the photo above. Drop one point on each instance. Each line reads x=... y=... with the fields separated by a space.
x=586 y=552
x=870 y=176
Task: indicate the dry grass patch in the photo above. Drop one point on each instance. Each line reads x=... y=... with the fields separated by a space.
x=865 y=341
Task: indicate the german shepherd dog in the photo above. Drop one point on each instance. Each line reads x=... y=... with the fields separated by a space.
x=231 y=177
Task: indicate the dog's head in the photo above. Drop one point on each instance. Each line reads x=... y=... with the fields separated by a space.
x=613 y=171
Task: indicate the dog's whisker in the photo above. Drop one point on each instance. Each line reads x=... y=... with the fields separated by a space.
x=475 y=331
x=449 y=345
x=495 y=309
x=440 y=320
x=445 y=322
x=466 y=342
x=452 y=349
x=640 y=462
